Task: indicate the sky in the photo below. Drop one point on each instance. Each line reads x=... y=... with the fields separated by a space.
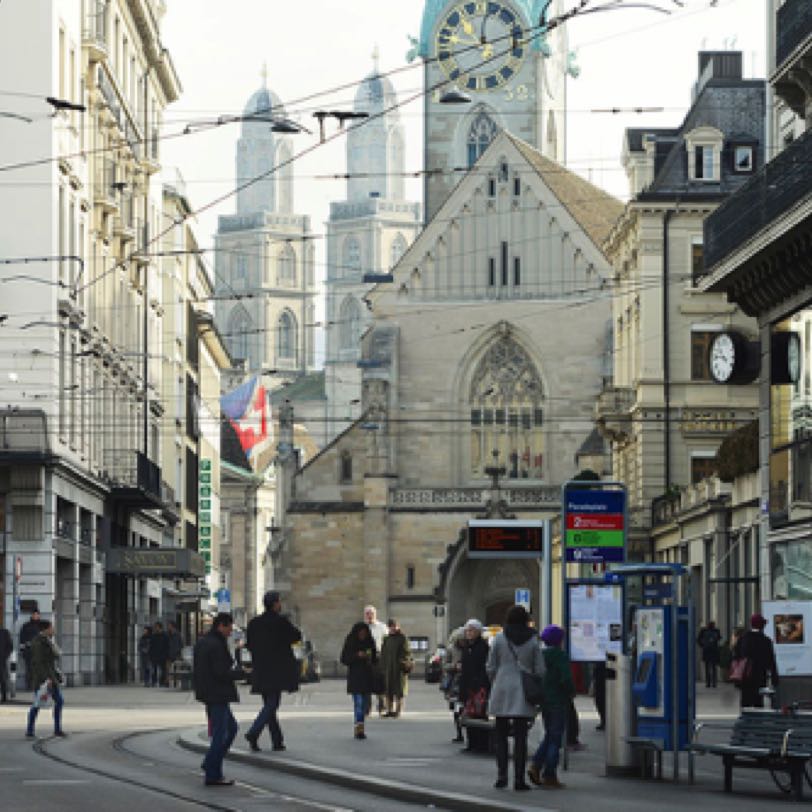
x=628 y=59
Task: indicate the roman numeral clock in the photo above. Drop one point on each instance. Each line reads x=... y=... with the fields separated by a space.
x=480 y=45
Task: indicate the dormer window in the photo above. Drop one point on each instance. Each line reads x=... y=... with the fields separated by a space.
x=704 y=147
x=703 y=163
x=743 y=159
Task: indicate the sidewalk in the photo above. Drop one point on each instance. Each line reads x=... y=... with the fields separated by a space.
x=413 y=758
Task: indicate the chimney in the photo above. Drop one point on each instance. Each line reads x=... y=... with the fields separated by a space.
x=726 y=65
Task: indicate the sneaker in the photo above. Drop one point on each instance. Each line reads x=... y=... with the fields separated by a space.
x=220 y=782
x=252 y=743
x=534 y=775
x=60 y=734
x=279 y=748
x=521 y=786
x=500 y=783
x=552 y=782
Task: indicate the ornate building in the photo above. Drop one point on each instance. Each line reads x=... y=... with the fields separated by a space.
x=496 y=54
x=367 y=234
x=265 y=256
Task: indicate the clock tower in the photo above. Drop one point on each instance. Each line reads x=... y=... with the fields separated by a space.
x=494 y=52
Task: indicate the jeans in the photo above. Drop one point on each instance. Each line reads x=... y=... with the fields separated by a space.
x=56 y=695
x=146 y=671
x=267 y=716
x=158 y=674
x=224 y=728
x=546 y=756
x=360 y=703
x=520 y=725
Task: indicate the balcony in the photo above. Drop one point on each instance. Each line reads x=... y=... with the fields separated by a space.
x=613 y=412
x=793 y=27
x=94 y=31
x=778 y=198
x=135 y=480
x=104 y=193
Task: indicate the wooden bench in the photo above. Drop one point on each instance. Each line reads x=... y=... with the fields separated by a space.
x=766 y=740
x=653 y=747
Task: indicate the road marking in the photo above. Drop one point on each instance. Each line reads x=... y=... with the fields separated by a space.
x=11 y=769
x=54 y=781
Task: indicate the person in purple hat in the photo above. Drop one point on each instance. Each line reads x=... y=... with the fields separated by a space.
x=758 y=649
x=559 y=689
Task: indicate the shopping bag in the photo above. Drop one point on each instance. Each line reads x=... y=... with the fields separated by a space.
x=43 y=697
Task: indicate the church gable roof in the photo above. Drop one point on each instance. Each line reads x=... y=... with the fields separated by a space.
x=595 y=211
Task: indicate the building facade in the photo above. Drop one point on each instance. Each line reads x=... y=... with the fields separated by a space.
x=663 y=412
x=367 y=234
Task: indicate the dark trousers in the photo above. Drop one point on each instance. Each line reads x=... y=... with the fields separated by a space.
x=158 y=673
x=600 y=691
x=56 y=695
x=573 y=727
x=224 y=728
x=546 y=757
x=267 y=716
x=750 y=696
x=3 y=681
x=519 y=724
x=711 y=668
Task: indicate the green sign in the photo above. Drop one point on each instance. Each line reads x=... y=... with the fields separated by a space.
x=204 y=511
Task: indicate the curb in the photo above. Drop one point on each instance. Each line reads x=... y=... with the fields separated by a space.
x=384 y=788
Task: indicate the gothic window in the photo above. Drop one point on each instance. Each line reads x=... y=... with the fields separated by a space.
x=286 y=337
x=286 y=271
x=239 y=326
x=349 y=324
x=398 y=250
x=507 y=416
x=350 y=257
x=482 y=132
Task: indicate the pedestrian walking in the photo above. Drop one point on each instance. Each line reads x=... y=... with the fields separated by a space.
x=474 y=684
x=143 y=655
x=396 y=664
x=559 y=690
x=378 y=631
x=513 y=651
x=274 y=667
x=214 y=674
x=360 y=656
x=28 y=632
x=158 y=654
x=46 y=677
x=708 y=640
x=174 y=645
x=6 y=647
x=757 y=649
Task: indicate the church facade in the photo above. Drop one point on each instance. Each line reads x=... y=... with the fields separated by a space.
x=367 y=234
x=488 y=345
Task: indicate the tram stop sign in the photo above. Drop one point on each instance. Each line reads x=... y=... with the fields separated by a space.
x=595 y=525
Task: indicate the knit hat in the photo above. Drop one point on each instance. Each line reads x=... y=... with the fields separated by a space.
x=473 y=623
x=552 y=635
x=757 y=621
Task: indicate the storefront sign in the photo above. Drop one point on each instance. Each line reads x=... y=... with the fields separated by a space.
x=595 y=525
x=789 y=625
x=171 y=563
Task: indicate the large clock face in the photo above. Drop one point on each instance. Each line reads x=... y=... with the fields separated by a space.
x=722 y=357
x=480 y=45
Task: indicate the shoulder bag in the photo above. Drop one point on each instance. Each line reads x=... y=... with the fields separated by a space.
x=740 y=670
x=532 y=683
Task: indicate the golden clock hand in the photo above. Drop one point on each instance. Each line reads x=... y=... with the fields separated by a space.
x=487 y=51
x=468 y=27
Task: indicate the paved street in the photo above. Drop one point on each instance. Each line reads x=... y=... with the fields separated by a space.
x=124 y=746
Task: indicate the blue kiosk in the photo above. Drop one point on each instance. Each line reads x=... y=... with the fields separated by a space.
x=663 y=668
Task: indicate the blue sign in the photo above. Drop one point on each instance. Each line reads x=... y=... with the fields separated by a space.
x=594 y=525
x=658 y=592
x=521 y=597
x=223 y=596
x=595 y=501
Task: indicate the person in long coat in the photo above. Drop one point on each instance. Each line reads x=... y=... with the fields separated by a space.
x=708 y=640
x=513 y=650
x=360 y=656
x=274 y=667
x=474 y=683
x=758 y=649
x=396 y=663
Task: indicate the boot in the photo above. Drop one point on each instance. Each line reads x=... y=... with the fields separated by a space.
x=359 y=730
x=397 y=705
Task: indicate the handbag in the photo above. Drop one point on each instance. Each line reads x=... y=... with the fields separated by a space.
x=407 y=665
x=476 y=706
x=532 y=683
x=740 y=670
x=43 y=696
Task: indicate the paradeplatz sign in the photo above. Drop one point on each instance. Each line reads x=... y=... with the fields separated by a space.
x=595 y=525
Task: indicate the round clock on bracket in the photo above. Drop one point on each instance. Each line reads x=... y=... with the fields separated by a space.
x=785 y=358
x=732 y=359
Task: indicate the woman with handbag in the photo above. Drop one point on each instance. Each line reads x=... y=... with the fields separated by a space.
x=396 y=664
x=559 y=690
x=474 y=684
x=360 y=656
x=514 y=655
x=753 y=664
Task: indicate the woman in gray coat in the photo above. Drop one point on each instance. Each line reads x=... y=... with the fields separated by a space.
x=513 y=650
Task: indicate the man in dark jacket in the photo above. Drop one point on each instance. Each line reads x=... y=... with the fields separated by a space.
x=158 y=654
x=28 y=632
x=708 y=640
x=45 y=674
x=274 y=667
x=756 y=647
x=214 y=676
x=6 y=647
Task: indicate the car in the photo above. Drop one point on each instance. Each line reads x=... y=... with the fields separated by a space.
x=435 y=661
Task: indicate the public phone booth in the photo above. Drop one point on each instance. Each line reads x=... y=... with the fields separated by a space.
x=661 y=699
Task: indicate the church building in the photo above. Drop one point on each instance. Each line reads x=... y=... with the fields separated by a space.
x=367 y=234
x=266 y=290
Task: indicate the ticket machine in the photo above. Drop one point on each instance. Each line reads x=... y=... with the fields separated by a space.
x=660 y=686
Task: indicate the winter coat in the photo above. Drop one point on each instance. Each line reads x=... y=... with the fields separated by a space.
x=559 y=687
x=395 y=654
x=29 y=631
x=174 y=645
x=273 y=664
x=44 y=656
x=144 y=644
x=758 y=648
x=507 y=692
x=708 y=641
x=360 y=657
x=159 y=648
x=6 y=645
x=214 y=671
x=474 y=676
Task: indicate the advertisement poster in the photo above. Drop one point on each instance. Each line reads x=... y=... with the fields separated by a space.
x=595 y=621
x=789 y=626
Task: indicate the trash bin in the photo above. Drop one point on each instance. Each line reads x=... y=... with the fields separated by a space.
x=620 y=717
